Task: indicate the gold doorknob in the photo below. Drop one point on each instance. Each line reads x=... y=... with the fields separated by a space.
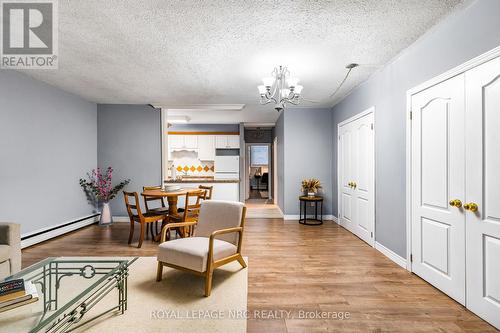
x=456 y=203
x=354 y=184
x=471 y=206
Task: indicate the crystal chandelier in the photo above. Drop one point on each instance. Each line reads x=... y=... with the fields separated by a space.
x=280 y=88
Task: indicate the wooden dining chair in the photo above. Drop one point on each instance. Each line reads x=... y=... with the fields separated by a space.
x=160 y=208
x=208 y=189
x=160 y=201
x=191 y=209
x=135 y=214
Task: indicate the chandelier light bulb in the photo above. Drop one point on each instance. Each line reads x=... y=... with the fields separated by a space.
x=298 y=89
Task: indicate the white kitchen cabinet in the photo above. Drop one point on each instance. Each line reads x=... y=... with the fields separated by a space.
x=227 y=141
x=175 y=141
x=220 y=141
x=206 y=147
x=190 y=141
x=182 y=142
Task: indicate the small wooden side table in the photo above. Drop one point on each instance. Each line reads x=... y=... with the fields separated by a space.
x=318 y=201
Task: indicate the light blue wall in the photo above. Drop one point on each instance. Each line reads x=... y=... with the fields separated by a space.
x=129 y=140
x=462 y=36
x=305 y=150
x=48 y=140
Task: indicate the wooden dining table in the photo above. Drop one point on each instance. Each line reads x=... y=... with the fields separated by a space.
x=172 y=197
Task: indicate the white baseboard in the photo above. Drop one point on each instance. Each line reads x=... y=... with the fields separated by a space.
x=391 y=255
x=296 y=217
x=59 y=229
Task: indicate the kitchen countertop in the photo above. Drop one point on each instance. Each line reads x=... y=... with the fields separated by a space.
x=200 y=180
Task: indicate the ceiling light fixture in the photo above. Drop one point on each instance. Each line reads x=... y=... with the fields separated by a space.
x=280 y=88
x=349 y=68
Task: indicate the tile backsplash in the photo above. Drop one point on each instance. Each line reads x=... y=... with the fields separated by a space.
x=196 y=168
x=187 y=162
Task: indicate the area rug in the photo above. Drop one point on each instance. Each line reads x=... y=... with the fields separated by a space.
x=177 y=304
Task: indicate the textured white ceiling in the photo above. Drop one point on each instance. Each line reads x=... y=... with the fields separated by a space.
x=203 y=52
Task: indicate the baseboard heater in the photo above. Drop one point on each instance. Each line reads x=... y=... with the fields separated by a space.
x=51 y=232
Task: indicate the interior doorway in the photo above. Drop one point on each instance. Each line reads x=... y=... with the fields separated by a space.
x=259 y=171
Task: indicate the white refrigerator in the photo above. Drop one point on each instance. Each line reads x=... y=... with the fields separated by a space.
x=227 y=167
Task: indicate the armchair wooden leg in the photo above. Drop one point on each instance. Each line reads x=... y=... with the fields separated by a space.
x=157 y=237
x=208 y=282
x=141 y=237
x=159 y=272
x=242 y=261
x=131 y=233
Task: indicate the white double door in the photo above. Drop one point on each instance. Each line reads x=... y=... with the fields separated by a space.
x=456 y=170
x=356 y=176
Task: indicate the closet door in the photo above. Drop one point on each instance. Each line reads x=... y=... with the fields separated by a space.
x=363 y=192
x=346 y=176
x=438 y=186
x=356 y=176
x=483 y=190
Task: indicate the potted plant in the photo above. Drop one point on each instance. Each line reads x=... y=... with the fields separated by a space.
x=98 y=186
x=311 y=186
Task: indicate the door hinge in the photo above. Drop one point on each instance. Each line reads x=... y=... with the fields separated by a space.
x=411 y=257
x=339 y=137
x=371 y=234
x=372 y=126
x=411 y=115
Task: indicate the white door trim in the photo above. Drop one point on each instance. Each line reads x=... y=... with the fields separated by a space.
x=427 y=84
x=357 y=116
x=339 y=125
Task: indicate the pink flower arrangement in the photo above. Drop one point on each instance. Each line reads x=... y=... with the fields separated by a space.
x=99 y=184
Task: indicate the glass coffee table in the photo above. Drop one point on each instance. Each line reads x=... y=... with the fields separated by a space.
x=71 y=292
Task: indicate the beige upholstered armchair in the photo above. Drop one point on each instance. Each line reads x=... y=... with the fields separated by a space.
x=217 y=241
x=10 y=249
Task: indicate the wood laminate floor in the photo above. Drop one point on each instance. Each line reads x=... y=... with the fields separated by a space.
x=314 y=270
